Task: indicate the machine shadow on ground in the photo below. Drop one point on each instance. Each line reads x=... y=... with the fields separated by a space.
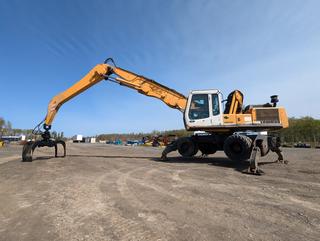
x=240 y=166
x=224 y=162
x=212 y=161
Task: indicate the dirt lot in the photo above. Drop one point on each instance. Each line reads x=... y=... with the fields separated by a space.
x=101 y=192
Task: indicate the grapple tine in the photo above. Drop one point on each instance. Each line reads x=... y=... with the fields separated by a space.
x=27 y=151
x=61 y=142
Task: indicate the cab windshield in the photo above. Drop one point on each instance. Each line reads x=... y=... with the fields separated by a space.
x=199 y=107
x=215 y=105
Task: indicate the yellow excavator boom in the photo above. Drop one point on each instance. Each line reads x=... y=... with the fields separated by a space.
x=123 y=77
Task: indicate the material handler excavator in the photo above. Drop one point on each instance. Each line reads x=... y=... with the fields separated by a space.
x=241 y=132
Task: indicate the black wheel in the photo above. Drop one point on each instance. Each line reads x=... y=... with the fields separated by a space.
x=186 y=147
x=207 y=148
x=238 y=147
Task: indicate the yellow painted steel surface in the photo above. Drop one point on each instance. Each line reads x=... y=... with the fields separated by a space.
x=93 y=77
x=283 y=117
x=237 y=119
x=237 y=100
x=229 y=119
x=250 y=117
x=151 y=88
x=142 y=84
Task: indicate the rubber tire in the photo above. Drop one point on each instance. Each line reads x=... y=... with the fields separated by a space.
x=242 y=142
x=187 y=147
x=207 y=148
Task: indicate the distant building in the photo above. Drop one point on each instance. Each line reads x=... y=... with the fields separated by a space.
x=78 y=138
x=14 y=138
x=90 y=140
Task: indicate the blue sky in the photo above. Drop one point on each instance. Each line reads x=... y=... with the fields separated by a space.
x=260 y=47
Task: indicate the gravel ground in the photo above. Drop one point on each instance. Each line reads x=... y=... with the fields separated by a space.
x=102 y=192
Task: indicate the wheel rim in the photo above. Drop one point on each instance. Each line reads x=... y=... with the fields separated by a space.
x=237 y=148
x=185 y=147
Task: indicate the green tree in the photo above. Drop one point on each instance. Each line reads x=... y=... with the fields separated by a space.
x=8 y=128
x=305 y=129
x=2 y=123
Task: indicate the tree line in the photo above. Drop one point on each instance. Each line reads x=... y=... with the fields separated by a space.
x=305 y=129
x=139 y=136
x=6 y=129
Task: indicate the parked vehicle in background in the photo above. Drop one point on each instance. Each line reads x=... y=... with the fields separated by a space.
x=287 y=145
x=302 y=145
x=78 y=138
x=134 y=143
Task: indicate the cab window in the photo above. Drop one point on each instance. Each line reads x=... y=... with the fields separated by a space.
x=215 y=105
x=199 y=107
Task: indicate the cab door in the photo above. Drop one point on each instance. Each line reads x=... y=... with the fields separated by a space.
x=216 y=107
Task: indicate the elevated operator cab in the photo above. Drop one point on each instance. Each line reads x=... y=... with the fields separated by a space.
x=205 y=111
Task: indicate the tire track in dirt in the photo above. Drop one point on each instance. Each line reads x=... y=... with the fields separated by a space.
x=128 y=229
x=279 y=200
x=155 y=220
x=268 y=191
x=96 y=205
x=9 y=158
